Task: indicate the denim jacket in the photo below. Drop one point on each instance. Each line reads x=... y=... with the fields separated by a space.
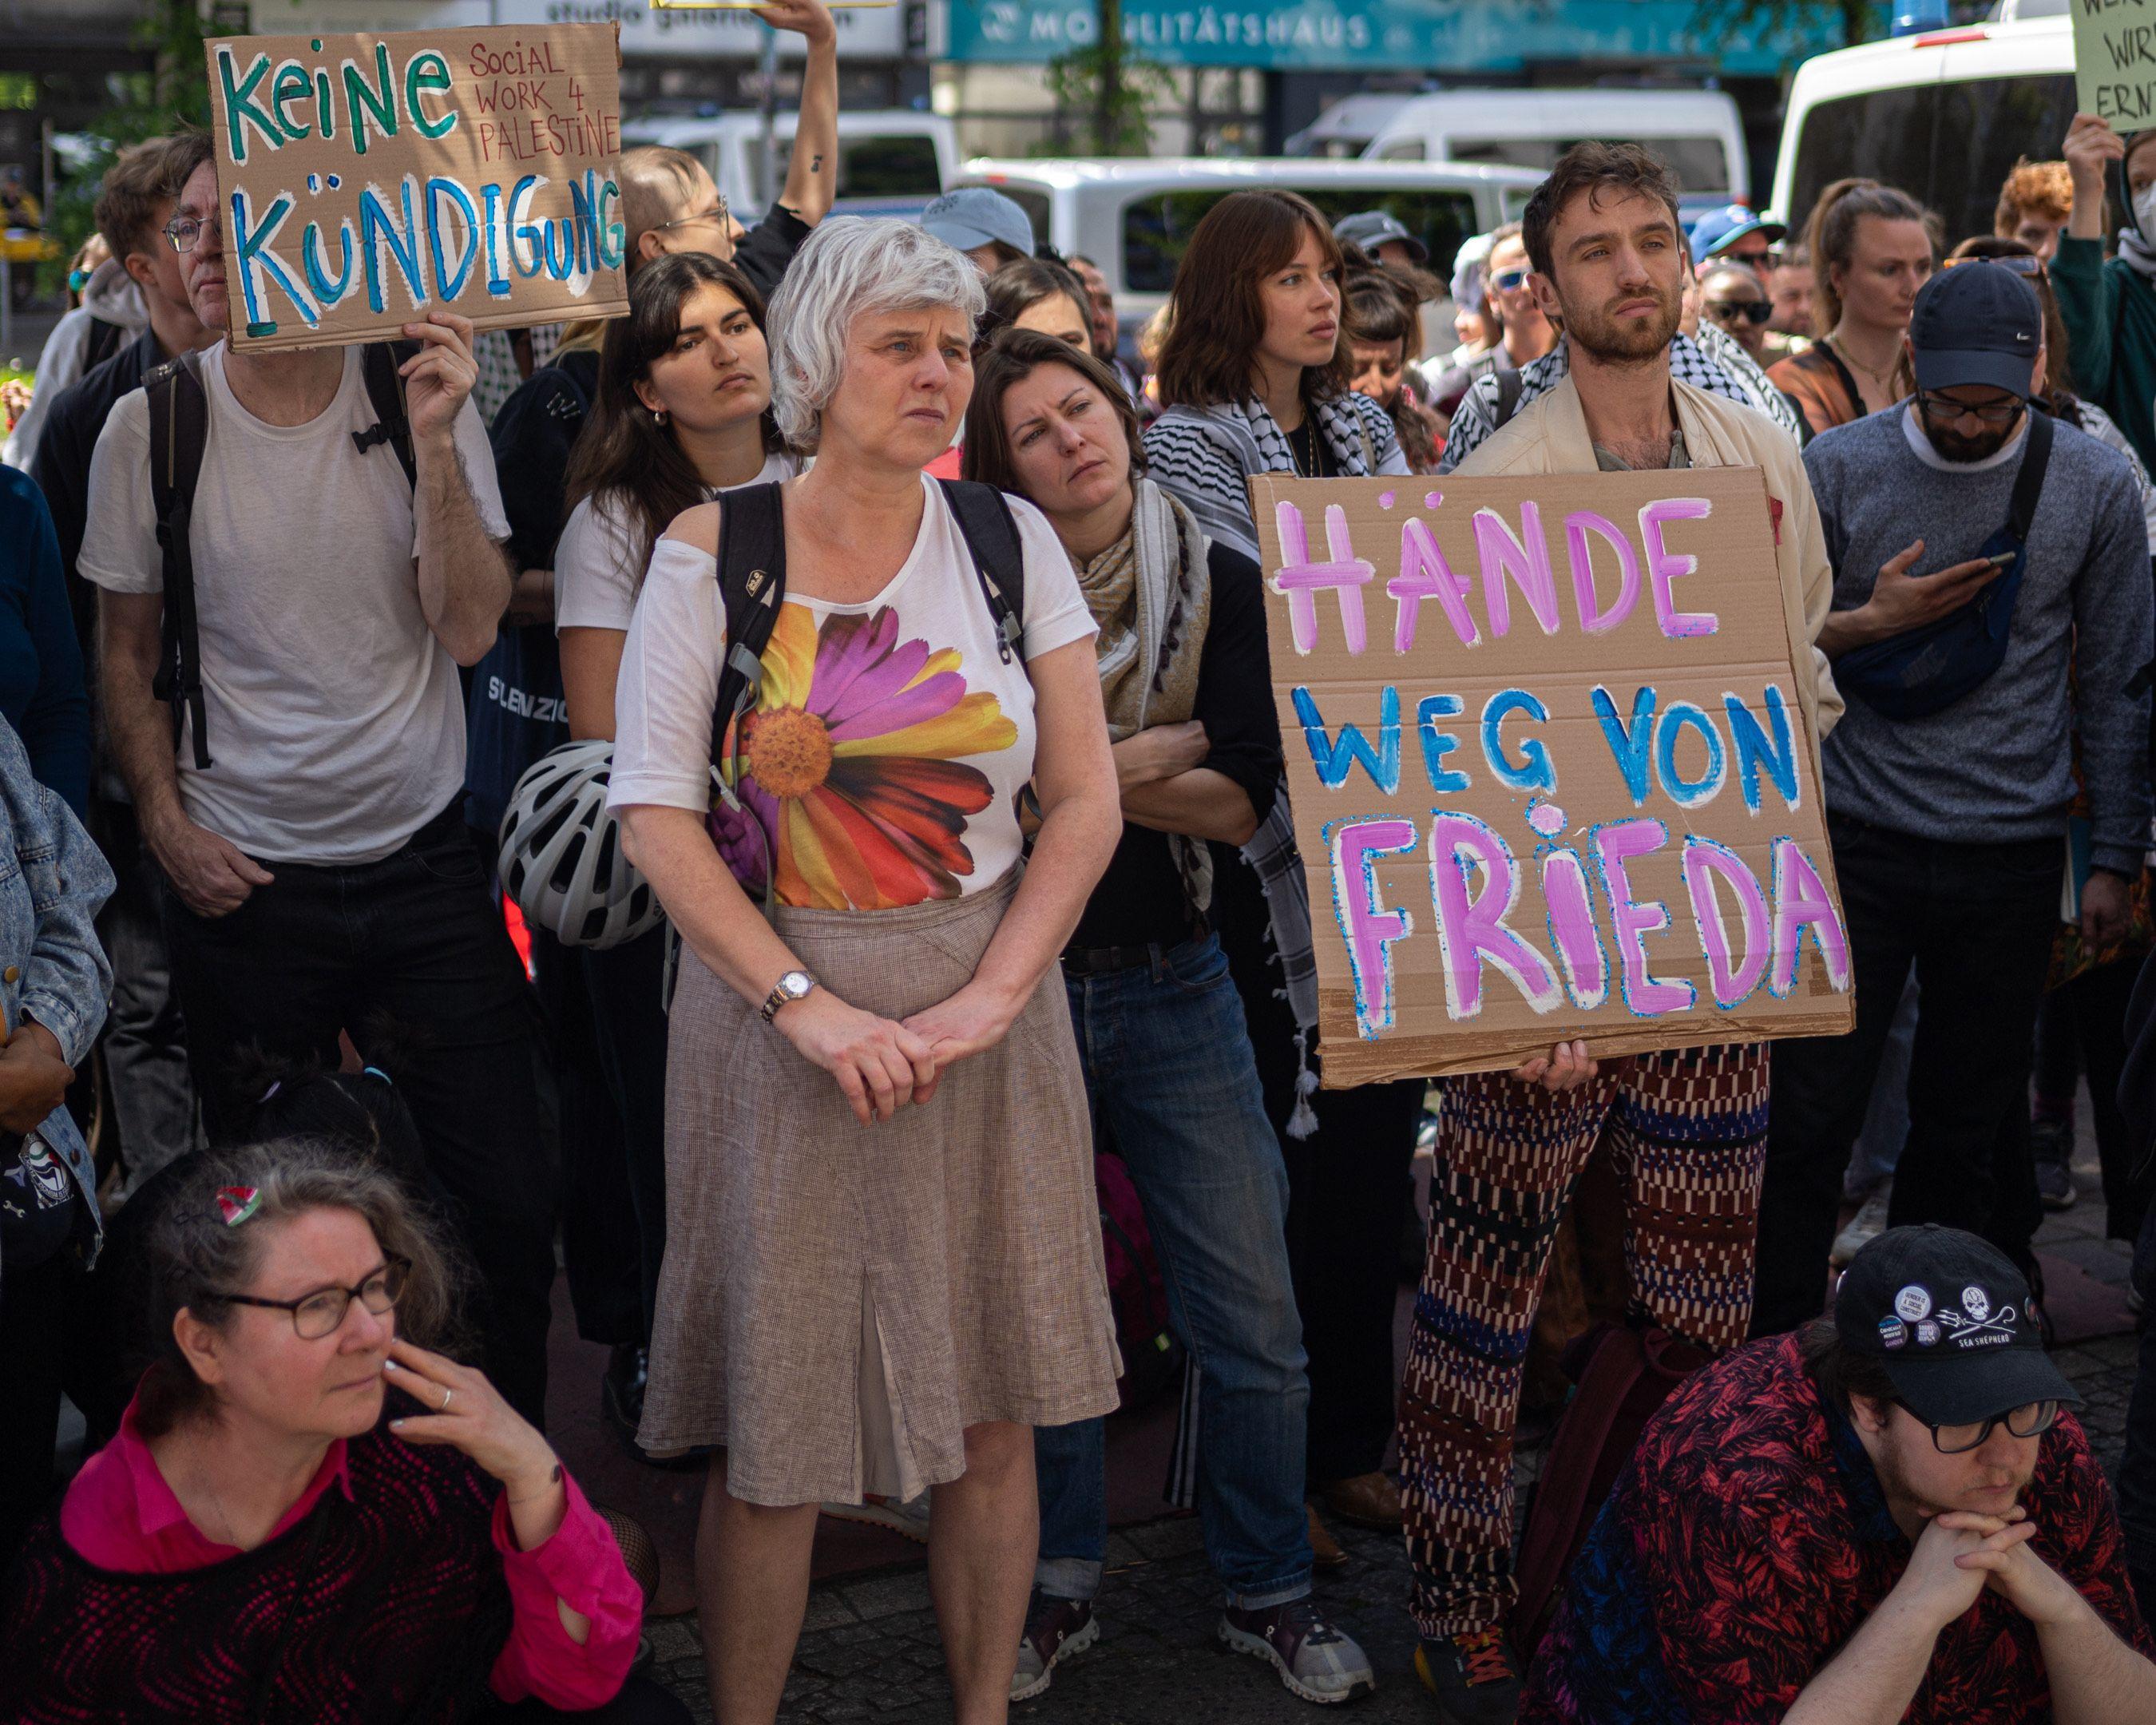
x=52 y=879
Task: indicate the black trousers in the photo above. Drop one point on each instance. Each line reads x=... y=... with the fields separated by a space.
x=624 y=1196
x=37 y=1315
x=1976 y=921
x=1347 y=1202
x=413 y=948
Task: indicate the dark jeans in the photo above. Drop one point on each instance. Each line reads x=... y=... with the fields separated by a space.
x=628 y=1036
x=145 y=1040
x=2137 y=1468
x=1168 y=1073
x=598 y=1227
x=1976 y=921
x=412 y=947
x=2083 y=1025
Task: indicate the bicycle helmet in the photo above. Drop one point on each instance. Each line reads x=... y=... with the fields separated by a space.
x=562 y=859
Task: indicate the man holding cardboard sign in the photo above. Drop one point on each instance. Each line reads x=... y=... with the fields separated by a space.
x=1687 y=1125
x=336 y=558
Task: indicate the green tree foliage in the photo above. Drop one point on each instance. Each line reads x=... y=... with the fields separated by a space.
x=1103 y=96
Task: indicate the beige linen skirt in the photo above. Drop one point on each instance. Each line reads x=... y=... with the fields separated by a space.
x=839 y=1302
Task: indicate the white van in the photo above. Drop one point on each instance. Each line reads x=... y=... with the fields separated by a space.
x=891 y=162
x=1696 y=132
x=1944 y=115
x=1134 y=218
x=1343 y=131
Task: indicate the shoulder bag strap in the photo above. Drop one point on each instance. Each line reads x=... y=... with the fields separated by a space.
x=378 y=365
x=991 y=535
x=2029 y=483
x=179 y=426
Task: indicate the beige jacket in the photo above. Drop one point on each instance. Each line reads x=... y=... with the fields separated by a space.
x=1549 y=435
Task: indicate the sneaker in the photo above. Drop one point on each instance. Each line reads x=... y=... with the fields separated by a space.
x=1473 y=1676
x=1055 y=1630
x=909 y=1518
x=1869 y=1222
x=2051 y=1144
x=1316 y=1661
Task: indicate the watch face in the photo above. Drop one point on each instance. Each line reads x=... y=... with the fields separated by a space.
x=797 y=983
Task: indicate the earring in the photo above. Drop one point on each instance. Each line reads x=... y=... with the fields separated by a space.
x=659 y=416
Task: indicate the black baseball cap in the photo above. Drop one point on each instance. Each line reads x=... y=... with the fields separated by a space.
x=1947 y=1314
x=1977 y=323
x=1370 y=228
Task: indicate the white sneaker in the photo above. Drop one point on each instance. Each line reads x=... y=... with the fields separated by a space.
x=1869 y=1222
x=909 y=1518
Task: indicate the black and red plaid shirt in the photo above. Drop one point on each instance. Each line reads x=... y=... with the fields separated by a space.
x=1747 y=1539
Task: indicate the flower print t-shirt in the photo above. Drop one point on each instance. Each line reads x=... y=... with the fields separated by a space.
x=890 y=740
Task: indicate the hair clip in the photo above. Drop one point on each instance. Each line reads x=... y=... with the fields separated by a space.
x=237 y=1203
x=275 y=1085
x=376 y=1072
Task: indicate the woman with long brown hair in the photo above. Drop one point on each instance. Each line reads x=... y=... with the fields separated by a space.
x=681 y=412
x=1871 y=248
x=1255 y=373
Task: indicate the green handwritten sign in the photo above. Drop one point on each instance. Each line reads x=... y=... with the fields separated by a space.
x=2115 y=61
x=364 y=180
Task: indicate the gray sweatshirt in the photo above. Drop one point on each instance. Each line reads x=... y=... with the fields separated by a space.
x=1996 y=765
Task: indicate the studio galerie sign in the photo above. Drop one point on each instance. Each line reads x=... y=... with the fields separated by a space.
x=1553 y=772
x=364 y=180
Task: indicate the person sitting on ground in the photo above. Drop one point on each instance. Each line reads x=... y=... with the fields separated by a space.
x=2109 y=307
x=2034 y=206
x=1182 y=662
x=308 y=1512
x=1385 y=325
x=1888 y=1516
x=1871 y=248
x=989 y=227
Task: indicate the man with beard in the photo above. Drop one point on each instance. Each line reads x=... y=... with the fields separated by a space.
x=1685 y=1128
x=1950 y=783
x=1888 y=1517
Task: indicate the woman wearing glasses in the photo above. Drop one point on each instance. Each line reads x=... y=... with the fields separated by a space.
x=306 y=1513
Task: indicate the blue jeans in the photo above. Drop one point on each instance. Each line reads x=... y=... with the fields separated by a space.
x=1170 y=1076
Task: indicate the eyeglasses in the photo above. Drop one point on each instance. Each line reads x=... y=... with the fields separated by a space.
x=1945 y=407
x=1755 y=312
x=321 y=1313
x=2020 y=265
x=183 y=231
x=2033 y=1420
x=1509 y=280
x=718 y=213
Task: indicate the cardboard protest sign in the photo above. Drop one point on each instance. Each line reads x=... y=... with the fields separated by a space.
x=1554 y=773
x=364 y=180
x=2115 y=61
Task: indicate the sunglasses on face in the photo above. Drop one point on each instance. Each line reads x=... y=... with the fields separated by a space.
x=2020 y=266
x=1753 y=311
x=1946 y=408
x=1509 y=280
x=2032 y=1420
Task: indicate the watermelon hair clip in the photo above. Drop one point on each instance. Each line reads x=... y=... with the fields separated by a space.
x=236 y=1203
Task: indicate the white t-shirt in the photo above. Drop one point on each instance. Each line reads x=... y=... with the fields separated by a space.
x=597 y=572
x=336 y=725
x=889 y=742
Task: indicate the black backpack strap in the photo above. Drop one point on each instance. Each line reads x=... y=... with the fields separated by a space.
x=104 y=342
x=991 y=533
x=179 y=426
x=1509 y=390
x=2029 y=483
x=752 y=585
x=379 y=363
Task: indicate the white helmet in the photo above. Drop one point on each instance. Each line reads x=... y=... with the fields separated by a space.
x=562 y=859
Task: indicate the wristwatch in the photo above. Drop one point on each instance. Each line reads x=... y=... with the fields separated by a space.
x=794 y=985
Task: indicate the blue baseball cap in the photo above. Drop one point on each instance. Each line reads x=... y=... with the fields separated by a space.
x=974 y=215
x=1977 y=323
x=1718 y=229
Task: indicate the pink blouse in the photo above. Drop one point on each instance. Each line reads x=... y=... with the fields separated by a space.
x=120 y=1515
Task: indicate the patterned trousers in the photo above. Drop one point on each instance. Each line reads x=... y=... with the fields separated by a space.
x=1685 y=1131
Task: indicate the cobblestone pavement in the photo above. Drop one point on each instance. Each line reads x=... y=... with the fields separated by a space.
x=869 y=1652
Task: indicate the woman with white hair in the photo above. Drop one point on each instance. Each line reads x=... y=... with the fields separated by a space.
x=883 y=1260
